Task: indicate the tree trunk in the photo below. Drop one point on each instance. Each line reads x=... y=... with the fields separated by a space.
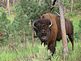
x=13 y=2
x=8 y=7
x=64 y=39
x=33 y=34
x=71 y=5
x=33 y=39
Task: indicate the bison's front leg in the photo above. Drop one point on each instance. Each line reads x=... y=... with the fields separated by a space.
x=52 y=48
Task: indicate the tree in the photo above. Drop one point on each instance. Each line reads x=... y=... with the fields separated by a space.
x=13 y=2
x=72 y=5
x=8 y=6
x=64 y=40
x=54 y=2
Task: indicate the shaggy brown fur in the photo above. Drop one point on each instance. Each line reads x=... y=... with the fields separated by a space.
x=56 y=30
x=49 y=35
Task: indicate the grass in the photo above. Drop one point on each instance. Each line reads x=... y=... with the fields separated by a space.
x=38 y=52
x=75 y=21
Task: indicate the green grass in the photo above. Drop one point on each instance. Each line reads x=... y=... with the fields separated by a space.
x=38 y=53
x=75 y=21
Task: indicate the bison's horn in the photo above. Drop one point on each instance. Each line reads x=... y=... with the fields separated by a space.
x=50 y=25
x=33 y=25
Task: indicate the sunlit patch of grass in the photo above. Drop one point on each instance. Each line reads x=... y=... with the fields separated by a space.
x=6 y=56
x=76 y=54
x=75 y=21
x=11 y=17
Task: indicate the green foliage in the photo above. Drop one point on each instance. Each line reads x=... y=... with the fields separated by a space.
x=80 y=24
x=4 y=25
x=66 y=3
x=79 y=28
x=75 y=20
x=33 y=8
x=77 y=5
x=71 y=14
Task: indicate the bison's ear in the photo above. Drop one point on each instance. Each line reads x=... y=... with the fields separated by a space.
x=42 y=17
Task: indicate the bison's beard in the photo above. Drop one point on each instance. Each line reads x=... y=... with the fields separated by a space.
x=44 y=38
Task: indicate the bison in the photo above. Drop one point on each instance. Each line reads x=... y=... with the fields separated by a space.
x=48 y=29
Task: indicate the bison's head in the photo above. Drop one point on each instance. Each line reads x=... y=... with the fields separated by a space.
x=42 y=28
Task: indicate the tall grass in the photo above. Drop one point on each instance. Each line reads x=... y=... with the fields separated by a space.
x=38 y=52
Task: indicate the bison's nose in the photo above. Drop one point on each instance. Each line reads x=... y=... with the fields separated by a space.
x=43 y=31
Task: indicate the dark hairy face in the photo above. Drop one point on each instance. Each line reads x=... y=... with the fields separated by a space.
x=42 y=29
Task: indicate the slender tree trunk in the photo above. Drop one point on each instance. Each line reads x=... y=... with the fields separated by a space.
x=24 y=35
x=40 y=2
x=64 y=39
x=33 y=39
x=33 y=33
x=8 y=7
x=3 y=1
x=72 y=5
x=13 y=2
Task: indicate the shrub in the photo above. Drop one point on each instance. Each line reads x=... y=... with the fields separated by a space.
x=34 y=8
x=4 y=24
